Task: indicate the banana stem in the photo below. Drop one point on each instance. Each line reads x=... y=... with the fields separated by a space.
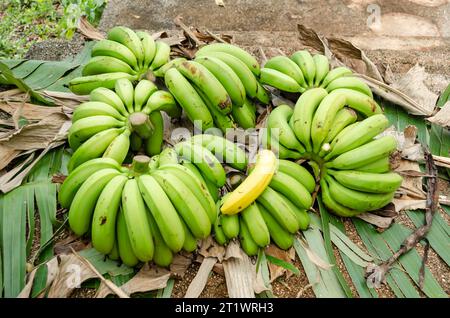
x=140 y=165
x=141 y=124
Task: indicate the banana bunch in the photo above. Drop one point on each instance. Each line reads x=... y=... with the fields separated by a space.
x=277 y=212
x=115 y=120
x=143 y=213
x=218 y=88
x=302 y=71
x=124 y=54
x=337 y=133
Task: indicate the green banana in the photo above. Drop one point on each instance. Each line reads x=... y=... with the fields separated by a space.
x=279 y=80
x=109 y=97
x=136 y=219
x=335 y=207
x=282 y=238
x=116 y=50
x=357 y=200
x=135 y=142
x=118 y=148
x=300 y=213
x=230 y=225
x=85 y=128
x=106 y=64
x=219 y=236
x=143 y=90
x=334 y=74
x=197 y=187
x=279 y=119
x=190 y=243
x=168 y=157
x=270 y=142
x=207 y=83
x=162 y=55
x=212 y=188
x=161 y=71
x=306 y=63
x=324 y=118
x=247 y=243
x=148 y=46
x=125 y=90
x=129 y=38
x=83 y=203
x=292 y=189
x=350 y=82
x=123 y=242
x=246 y=76
x=297 y=172
x=89 y=109
x=76 y=178
x=154 y=163
x=227 y=77
x=358 y=135
x=256 y=225
x=94 y=147
x=285 y=65
x=322 y=68
x=85 y=84
x=162 y=101
x=346 y=116
x=153 y=145
x=104 y=219
x=222 y=121
x=224 y=149
x=186 y=203
x=378 y=166
x=114 y=254
x=204 y=160
x=370 y=152
x=303 y=114
x=278 y=208
x=360 y=102
x=163 y=255
x=262 y=95
x=244 y=116
x=367 y=181
x=251 y=63
x=188 y=98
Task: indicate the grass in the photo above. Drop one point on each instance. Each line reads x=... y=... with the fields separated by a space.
x=25 y=22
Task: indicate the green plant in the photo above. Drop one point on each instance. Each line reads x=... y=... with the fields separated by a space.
x=73 y=10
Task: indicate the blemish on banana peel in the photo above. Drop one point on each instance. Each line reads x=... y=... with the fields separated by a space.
x=103 y=220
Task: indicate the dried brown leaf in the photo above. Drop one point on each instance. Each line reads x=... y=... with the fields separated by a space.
x=378 y=221
x=442 y=117
x=52 y=271
x=210 y=248
x=314 y=258
x=28 y=111
x=88 y=30
x=149 y=278
x=238 y=272
x=199 y=282
x=275 y=270
x=180 y=264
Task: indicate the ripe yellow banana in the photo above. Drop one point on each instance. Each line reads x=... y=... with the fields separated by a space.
x=253 y=185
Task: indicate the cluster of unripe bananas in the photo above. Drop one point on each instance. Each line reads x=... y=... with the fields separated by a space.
x=218 y=88
x=124 y=54
x=113 y=120
x=337 y=132
x=271 y=204
x=153 y=208
x=302 y=71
